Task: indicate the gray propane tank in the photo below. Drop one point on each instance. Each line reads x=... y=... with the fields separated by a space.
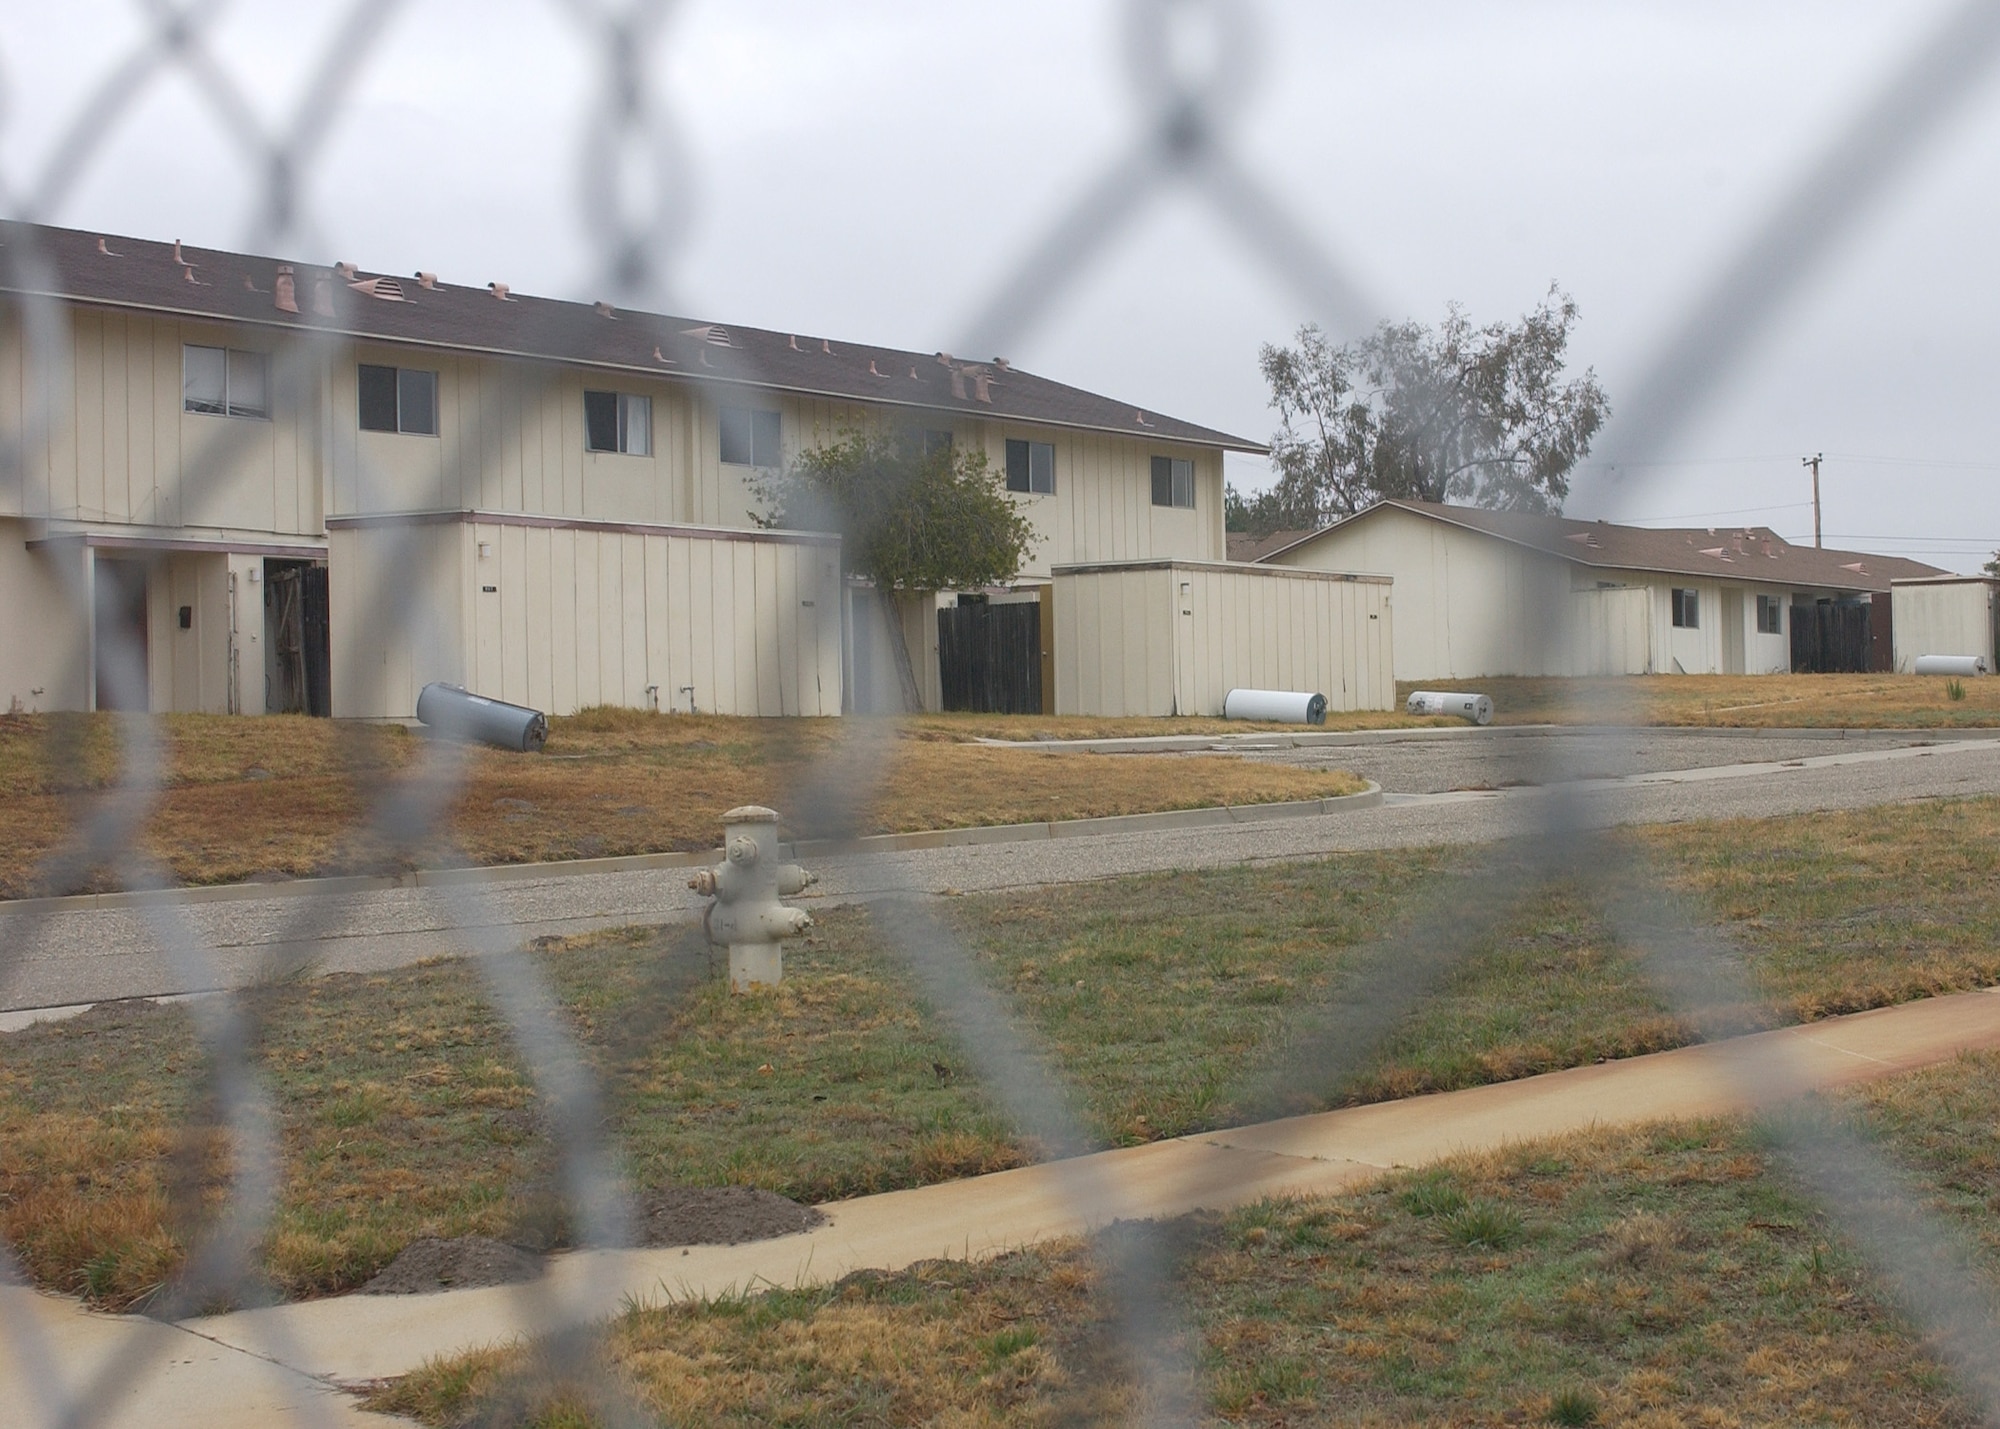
x=457 y=713
x=1477 y=708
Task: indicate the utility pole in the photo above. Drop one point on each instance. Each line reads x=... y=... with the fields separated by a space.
x=1813 y=461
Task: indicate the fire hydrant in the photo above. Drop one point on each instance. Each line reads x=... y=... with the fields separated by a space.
x=746 y=915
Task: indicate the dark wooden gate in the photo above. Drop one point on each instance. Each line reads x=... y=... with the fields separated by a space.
x=990 y=657
x=1830 y=639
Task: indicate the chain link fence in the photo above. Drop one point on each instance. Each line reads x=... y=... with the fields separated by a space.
x=1190 y=66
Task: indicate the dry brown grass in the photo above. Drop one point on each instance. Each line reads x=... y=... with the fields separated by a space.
x=288 y=796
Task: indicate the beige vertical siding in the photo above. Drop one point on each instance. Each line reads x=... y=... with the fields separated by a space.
x=1175 y=637
x=120 y=449
x=1944 y=618
x=44 y=636
x=561 y=617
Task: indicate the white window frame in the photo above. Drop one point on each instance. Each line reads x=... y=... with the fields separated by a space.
x=402 y=427
x=1033 y=478
x=633 y=413
x=763 y=422
x=1178 y=474
x=1776 y=605
x=1687 y=613
x=228 y=405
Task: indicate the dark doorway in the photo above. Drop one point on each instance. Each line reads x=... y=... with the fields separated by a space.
x=119 y=635
x=1830 y=639
x=298 y=669
x=990 y=657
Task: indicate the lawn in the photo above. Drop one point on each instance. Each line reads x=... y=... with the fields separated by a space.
x=1666 y=1276
x=1166 y=1001
x=291 y=797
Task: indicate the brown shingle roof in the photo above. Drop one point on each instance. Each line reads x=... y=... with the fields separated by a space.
x=208 y=283
x=1745 y=553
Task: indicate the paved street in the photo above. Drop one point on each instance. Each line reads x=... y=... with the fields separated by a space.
x=1475 y=786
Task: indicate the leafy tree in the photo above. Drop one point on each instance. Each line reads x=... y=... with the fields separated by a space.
x=1992 y=567
x=1266 y=511
x=909 y=519
x=1456 y=413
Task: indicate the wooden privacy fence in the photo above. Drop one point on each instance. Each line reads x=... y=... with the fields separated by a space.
x=990 y=657
x=1830 y=640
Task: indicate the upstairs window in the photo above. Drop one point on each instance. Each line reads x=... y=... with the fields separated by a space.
x=1031 y=466
x=398 y=399
x=750 y=437
x=1687 y=609
x=225 y=382
x=1770 y=616
x=1173 y=482
x=618 y=422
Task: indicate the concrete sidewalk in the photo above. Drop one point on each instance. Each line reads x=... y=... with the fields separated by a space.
x=267 y=1359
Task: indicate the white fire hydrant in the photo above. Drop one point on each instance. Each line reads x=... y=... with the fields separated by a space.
x=746 y=915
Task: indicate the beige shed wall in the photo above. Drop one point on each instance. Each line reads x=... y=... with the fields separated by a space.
x=1176 y=638
x=561 y=618
x=1944 y=618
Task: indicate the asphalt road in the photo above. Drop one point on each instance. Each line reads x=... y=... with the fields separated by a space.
x=1473 y=787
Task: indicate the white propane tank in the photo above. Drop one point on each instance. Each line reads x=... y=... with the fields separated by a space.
x=1477 y=708
x=1951 y=664
x=1275 y=706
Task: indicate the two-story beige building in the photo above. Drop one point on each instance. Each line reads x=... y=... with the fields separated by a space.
x=294 y=486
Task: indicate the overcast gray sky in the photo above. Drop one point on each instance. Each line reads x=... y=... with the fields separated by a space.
x=872 y=170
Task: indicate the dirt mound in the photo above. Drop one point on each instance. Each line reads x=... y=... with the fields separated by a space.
x=719 y=1215
x=430 y=1264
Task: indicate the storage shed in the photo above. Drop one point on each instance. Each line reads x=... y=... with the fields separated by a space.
x=1945 y=615
x=1174 y=637
x=562 y=614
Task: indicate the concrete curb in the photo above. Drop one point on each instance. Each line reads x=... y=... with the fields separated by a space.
x=1368 y=798
x=1310 y=739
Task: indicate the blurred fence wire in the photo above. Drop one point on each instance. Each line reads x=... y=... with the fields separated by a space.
x=1190 y=67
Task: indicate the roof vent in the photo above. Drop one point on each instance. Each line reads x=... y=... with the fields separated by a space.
x=177 y=254
x=1718 y=552
x=346 y=271
x=826 y=347
x=499 y=290
x=659 y=356
x=104 y=247
x=425 y=280
x=604 y=309
x=188 y=273
x=913 y=375
x=284 y=290
x=1140 y=418
x=712 y=333
x=793 y=343
x=1856 y=567
x=387 y=289
x=874 y=371
x=1003 y=364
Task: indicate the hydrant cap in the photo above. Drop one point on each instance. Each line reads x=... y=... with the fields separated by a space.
x=751 y=814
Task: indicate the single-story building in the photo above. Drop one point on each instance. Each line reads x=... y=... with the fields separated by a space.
x=1481 y=593
x=1947 y=615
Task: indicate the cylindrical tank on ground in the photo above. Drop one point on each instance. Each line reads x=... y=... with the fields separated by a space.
x=459 y=714
x=1951 y=665
x=1477 y=708
x=1275 y=706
